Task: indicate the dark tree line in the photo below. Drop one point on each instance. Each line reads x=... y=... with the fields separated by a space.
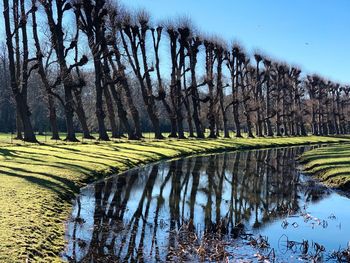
x=92 y=66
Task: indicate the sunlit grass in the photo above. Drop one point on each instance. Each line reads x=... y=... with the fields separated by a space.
x=331 y=165
x=38 y=182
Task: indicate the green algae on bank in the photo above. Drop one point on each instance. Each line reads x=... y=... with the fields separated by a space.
x=330 y=165
x=39 y=181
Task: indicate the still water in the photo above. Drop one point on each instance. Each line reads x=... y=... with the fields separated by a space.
x=250 y=206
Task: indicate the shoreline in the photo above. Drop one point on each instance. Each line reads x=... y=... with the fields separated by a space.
x=330 y=166
x=45 y=240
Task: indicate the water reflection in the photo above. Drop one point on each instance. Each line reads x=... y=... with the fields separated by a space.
x=141 y=215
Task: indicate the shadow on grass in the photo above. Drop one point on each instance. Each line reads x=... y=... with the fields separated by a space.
x=61 y=191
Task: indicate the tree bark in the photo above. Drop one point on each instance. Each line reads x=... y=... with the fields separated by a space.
x=110 y=111
x=79 y=110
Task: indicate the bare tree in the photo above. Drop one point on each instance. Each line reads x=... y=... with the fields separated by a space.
x=54 y=16
x=43 y=75
x=19 y=85
x=209 y=78
x=134 y=38
x=269 y=112
x=92 y=15
x=193 y=45
x=234 y=66
x=119 y=70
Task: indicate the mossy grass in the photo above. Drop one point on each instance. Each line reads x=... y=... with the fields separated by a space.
x=38 y=182
x=330 y=165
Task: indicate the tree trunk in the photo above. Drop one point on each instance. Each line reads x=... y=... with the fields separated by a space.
x=28 y=132
x=123 y=81
x=53 y=118
x=19 y=94
x=193 y=51
x=268 y=108
x=111 y=115
x=122 y=114
x=69 y=111
x=100 y=115
x=209 y=64
x=79 y=110
x=220 y=90
x=258 y=104
x=235 y=99
x=19 y=126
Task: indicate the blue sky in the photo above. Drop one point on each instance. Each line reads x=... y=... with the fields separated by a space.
x=313 y=34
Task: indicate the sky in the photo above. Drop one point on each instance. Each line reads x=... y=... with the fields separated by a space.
x=311 y=34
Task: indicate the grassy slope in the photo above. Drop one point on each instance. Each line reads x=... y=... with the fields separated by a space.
x=331 y=165
x=37 y=183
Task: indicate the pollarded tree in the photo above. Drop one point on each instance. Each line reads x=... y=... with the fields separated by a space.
x=184 y=49
x=178 y=41
x=209 y=79
x=280 y=84
x=345 y=102
x=298 y=109
x=323 y=105
x=169 y=107
x=269 y=112
x=55 y=11
x=258 y=95
x=110 y=84
x=91 y=17
x=118 y=67
x=179 y=37
x=193 y=45
x=50 y=88
x=7 y=108
x=234 y=66
x=248 y=82
x=20 y=75
x=134 y=37
x=78 y=91
x=311 y=85
x=286 y=100
x=327 y=122
x=42 y=70
x=334 y=125
x=185 y=34
x=221 y=55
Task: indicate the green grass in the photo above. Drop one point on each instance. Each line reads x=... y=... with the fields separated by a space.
x=38 y=182
x=331 y=165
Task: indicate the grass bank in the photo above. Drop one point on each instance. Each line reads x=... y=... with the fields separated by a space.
x=38 y=182
x=330 y=165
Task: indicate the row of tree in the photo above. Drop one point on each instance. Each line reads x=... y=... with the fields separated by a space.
x=138 y=73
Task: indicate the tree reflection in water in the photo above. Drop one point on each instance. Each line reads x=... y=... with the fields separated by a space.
x=137 y=216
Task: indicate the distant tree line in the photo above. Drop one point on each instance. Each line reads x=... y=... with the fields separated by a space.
x=93 y=66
